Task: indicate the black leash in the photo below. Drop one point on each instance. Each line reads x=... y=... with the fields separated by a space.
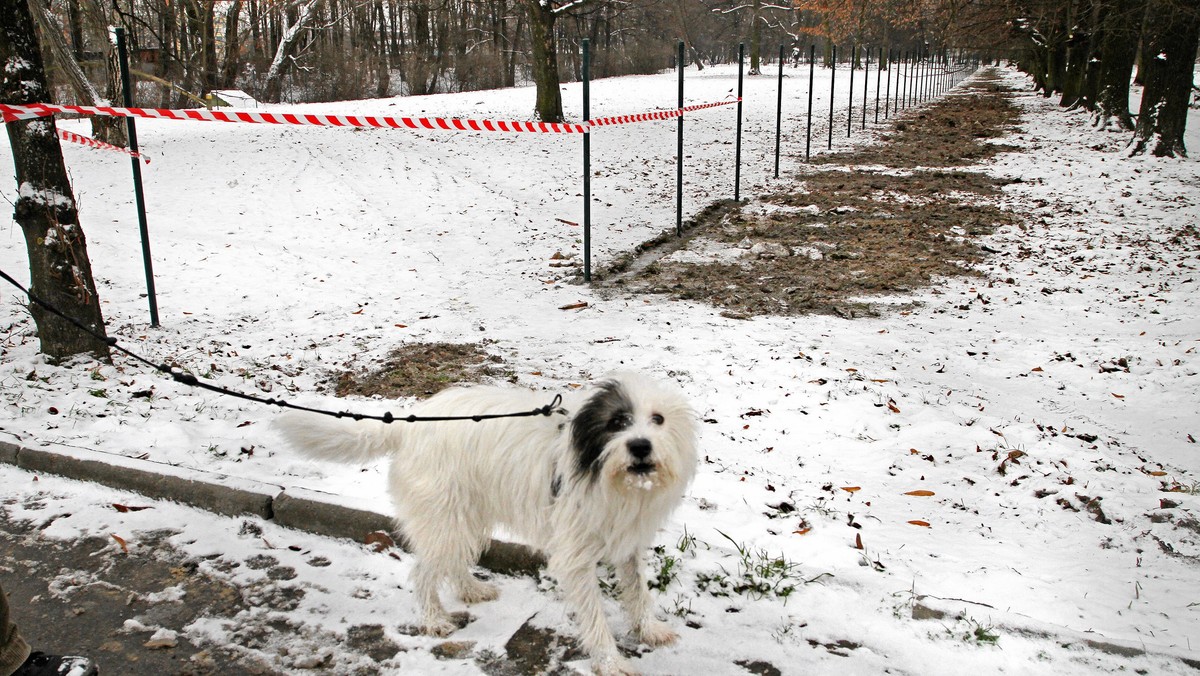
x=192 y=381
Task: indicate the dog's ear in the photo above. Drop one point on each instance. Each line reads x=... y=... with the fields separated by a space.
x=595 y=424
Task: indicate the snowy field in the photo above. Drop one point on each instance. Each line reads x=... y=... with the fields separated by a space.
x=983 y=482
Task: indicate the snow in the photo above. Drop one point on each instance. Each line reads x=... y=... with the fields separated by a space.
x=43 y=197
x=284 y=253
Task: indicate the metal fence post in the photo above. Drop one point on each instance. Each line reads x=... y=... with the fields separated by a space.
x=850 y=99
x=679 y=148
x=138 y=194
x=887 y=95
x=737 y=161
x=778 y=110
x=812 y=64
x=866 y=83
x=587 y=163
x=832 y=91
x=878 y=81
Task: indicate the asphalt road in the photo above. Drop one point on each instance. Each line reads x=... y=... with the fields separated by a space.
x=75 y=598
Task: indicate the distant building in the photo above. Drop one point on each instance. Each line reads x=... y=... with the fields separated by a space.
x=231 y=98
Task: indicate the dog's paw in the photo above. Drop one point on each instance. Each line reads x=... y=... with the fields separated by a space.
x=655 y=633
x=439 y=626
x=478 y=592
x=613 y=665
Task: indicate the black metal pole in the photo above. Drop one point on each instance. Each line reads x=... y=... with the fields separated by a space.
x=866 y=82
x=737 y=155
x=812 y=64
x=850 y=98
x=832 y=88
x=887 y=93
x=778 y=110
x=138 y=194
x=928 y=75
x=587 y=163
x=679 y=148
x=878 y=81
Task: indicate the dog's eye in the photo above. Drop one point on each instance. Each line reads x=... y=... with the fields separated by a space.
x=620 y=421
x=657 y=419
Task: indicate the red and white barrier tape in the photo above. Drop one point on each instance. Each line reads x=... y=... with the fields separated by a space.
x=93 y=143
x=12 y=113
x=657 y=115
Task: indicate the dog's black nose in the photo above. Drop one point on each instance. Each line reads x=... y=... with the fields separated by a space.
x=639 y=448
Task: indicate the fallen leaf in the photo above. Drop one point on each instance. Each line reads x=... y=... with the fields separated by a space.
x=401 y=326
x=574 y=306
x=359 y=311
x=893 y=407
x=1156 y=473
x=1118 y=396
x=802 y=531
x=920 y=493
x=379 y=541
x=246 y=424
x=1037 y=369
x=852 y=489
x=858 y=541
x=923 y=524
x=120 y=541
x=125 y=508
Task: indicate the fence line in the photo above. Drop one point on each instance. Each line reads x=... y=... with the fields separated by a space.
x=918 y=77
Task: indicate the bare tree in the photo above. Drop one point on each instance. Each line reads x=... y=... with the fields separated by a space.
x=1170 y=39
x=273 y=87
x=59 y=268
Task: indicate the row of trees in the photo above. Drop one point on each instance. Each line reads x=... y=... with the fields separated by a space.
x=312 y=50
x=1085 y=52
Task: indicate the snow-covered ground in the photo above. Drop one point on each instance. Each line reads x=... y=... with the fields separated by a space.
x=1002 y=453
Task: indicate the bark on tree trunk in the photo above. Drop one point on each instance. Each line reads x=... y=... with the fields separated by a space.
x=1079 y=31
x=59 y=269
x=756 y=38
x=545 y=61
x=1118 y=49
x=233 y=47
x=1171 y=35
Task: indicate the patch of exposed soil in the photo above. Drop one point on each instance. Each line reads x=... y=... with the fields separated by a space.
x=951 y=133
x=867 y=223
x=423 y=369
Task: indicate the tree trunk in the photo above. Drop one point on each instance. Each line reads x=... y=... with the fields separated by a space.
x=756 y=38
x=273 y=87
x=1171 y=36
x=686 y=37
x=59 y=269
x=233 y=46
x=1118 y=49
x=545 y=61
x=1079 y=33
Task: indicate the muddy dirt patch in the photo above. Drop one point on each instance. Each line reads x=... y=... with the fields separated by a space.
x=859 y=226
x=423 y=369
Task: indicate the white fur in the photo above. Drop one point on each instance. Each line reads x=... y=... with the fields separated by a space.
x=453 y=483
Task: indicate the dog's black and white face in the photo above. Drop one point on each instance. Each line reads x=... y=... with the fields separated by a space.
x=635 y=433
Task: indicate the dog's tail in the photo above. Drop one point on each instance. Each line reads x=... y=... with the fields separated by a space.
x=337 y=439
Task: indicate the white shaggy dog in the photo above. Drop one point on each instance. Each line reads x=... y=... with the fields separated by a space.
x=592 y=482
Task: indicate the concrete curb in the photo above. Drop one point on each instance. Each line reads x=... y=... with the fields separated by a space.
x=303 y=509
